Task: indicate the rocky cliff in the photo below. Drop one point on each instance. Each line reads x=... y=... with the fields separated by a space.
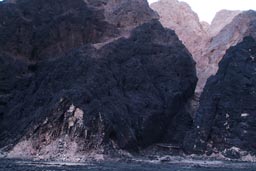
x=221 y=19
x=241 y=26
x=224 y=120
x=181 y=18
x=86 y=77
x=200 y=37
x=226 y=116
x=67 y=97
x=124 y=14
x=40 y=29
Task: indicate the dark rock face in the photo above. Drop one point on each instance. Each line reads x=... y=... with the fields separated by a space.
x=38 y=29
x=227 y=112
x=10 y=72
x=128 y=92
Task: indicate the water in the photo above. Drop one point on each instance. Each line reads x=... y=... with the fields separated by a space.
x=21 y=165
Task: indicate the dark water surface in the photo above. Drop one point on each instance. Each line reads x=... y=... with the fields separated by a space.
x=20 y=165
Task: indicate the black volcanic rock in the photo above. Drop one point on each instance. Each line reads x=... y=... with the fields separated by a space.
x=10 y=72
x=38 y=29
x=129 y=92
x=227 y=113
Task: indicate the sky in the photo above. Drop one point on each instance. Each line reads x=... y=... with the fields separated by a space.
x=207 y=9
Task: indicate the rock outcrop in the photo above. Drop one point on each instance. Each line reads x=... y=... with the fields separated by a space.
x=184 y=21
x=126 y=94
x=207 y=43
x=221 y=19
x=127 y=14
x=41 y=29
x=241 y=26
x=227 y=113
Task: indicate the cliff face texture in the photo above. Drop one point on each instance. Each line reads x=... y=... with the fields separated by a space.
x=37 y=29
x=226 y=116
x=226 y=113
x=199 y=37
x=241 y=26
x=180 y=17
x=224 y=120
x=64 y=96
x=84 y=77
x=221 y=19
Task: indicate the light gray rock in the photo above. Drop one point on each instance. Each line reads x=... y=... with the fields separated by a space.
x=180 y=17
x=221 y=19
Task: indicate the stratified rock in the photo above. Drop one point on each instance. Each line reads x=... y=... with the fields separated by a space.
x=128 y=93
x=184 y=21
x=227 y=113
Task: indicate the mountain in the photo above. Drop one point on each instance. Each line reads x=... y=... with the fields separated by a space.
x=40 y=29
x=184 y=21
x=127 y=14
x=223 y=122
x=77 y=85
x=226 y=116
x=198 y=37
x=87 y=78
x=221 y=19
x=241 y=26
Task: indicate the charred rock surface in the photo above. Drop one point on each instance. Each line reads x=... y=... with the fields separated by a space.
x=226 y=116
x=127 y=93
